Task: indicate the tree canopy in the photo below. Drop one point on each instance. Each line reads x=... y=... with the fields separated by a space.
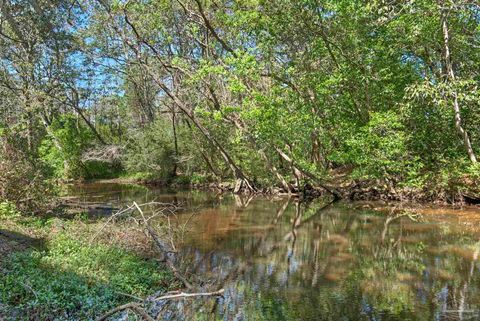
x=266 y=93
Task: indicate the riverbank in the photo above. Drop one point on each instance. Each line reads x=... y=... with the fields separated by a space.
x=51 y=267
x=462 y=192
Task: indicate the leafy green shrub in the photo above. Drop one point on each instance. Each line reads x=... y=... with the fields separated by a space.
x=151 y=151
x=99 y=169
x=198 y=179
x=8 y=210
x=62 y=149
x=429 y=117
x=378 y=150
x=455 y=177
x=185 y=180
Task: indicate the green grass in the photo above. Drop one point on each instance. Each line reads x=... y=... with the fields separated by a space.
x=70 y=280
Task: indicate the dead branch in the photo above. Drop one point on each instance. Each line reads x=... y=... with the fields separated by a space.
x=137 y=308
x=129 y=208
x=166 y=249
x=105 y=153
x=163 y=248
x=182 y=295
x=166 y=207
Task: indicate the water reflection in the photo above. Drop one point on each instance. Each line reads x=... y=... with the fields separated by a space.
x=336 y=262
x=284 y=260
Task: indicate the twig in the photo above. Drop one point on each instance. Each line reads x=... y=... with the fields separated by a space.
x=140 y=311
x=31 y=289
x=129 y=208
x=108 y=221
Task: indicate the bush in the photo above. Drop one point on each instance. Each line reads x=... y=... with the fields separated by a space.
x=62 y=153
x=454 y=179
x=378 y=149
x=151 y=151
x=8 y=210
x=102 y=169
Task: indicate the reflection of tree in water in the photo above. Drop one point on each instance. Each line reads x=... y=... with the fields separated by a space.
x=333 y=262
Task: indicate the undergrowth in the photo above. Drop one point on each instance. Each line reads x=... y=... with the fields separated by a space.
x=69 y=279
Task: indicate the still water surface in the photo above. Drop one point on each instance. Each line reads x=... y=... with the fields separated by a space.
x=317 y=261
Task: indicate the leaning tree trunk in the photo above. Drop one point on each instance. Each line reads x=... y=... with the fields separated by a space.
x=262 y=154
x=451 y=78
x=242 y=182
x=78 y=110
x=299 y=170
x=204 y=155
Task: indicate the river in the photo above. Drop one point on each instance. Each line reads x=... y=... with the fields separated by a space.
x=317 y=260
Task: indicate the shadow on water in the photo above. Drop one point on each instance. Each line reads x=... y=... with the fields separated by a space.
x=279 y=259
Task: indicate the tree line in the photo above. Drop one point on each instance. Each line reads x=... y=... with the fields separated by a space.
x=283 y=93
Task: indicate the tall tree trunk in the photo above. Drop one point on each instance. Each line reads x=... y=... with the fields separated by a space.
x=175 y=143
x=451 y=78
x=29 y=116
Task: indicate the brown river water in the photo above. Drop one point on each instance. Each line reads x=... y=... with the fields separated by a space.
x=320 y=261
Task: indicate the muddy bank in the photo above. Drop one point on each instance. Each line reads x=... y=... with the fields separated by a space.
x=354 y=190
x=365 y=191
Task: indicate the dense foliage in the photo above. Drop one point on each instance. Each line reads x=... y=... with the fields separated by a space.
x=267 y=93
